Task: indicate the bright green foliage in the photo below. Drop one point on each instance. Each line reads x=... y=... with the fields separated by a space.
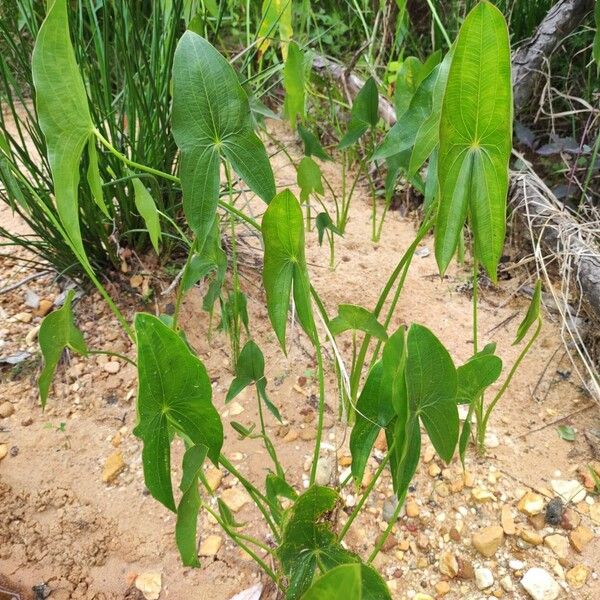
x=276 y=14
x=476 y=375
x=212 y=121
x=533 y=313
x=63 y=113
x=476 y=140
x=352 y=582
x=308 y=541
x=364 y=113
x=250 y=368
x=407 y=82
x=285 y=265
x=277 y=487
x=312 y=145
x=293 y=84
x=566 y=432
x=309 y=178
x=227 y=515
x=57 y=332
x=174 y=393
x=357 y=318
x=189 y=505
x=431 y=386
x=147 y=208
x=323 y=222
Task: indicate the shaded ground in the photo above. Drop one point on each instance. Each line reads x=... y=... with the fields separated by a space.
x=62 y=525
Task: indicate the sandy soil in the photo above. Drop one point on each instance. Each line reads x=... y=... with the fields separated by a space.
x=62 y=526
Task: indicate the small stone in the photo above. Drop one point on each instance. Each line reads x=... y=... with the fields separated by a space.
x=538 y=521
x=325 y=470
x=24 y=317
x=580 y=538
x=595 y=512
x=507 y=584
x=235 y=498
x=32 y=334
x=516 y=565
x=412 y=509
x=465 y=569
x=44 y=308
x=570 y=519
x=112 y=467
x=488 y=540
x=235 y=409
x=3 y=450
x=345 y=460
x=211 y=545
x=6 y=410
x=381 y=442
x=554 y=512
x=531 y=537
x=26 y=422
x=32 y=300
x=290 y=436
x=389 y=508
x=116 y=440
x=448 y=565
x=483 y=578
x=308 y=434
x=433 y=470
x=482 y=495
x=428 y=454
x=214 y=477
x=491 y=440
x=442 y=588
x=559 y=544
x=150 y=584
x=421 y=596
x=569 y=490
x=112 y=367
x=540 y=585
x=507 y=521
x=422 y=541
x=577 y=576
x=531 y=504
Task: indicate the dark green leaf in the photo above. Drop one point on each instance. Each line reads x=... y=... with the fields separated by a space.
x=285 y=264
x=533 y=313
x=187 y=511
x=276 y=487
x=357 y=318
x=63 y=113
x=212 y=121
x=475 y=376
x=323 y=222
x=308 y=541
x=364 y=113
x=57 y=332
x=349 y=582
x=227 y=516
x=174 y=391
x=431 y=383
x=407 y=81
x=312 y=146
x=404 y=438
x=243 y=431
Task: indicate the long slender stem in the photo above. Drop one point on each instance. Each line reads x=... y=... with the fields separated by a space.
x=364 y=496
x=319 y=436
x=117 y=354
x=238 y=539
x=181 y=287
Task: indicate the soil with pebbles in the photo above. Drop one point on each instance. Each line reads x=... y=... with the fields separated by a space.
x=75 y=515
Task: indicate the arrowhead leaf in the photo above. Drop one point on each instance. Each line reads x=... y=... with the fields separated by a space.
x=533 y=313
x=174 y=392
x=476 y=139
x=364 y=113
x=146 y=206
x=357 y=318
x=212 y=121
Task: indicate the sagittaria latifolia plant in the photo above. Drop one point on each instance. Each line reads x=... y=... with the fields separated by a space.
x=411 y=384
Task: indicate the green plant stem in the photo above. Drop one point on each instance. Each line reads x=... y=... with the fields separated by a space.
x=364 y=496
x=439 y=23
x=506 y=383
x=383 y=538
x=255 y=494
x=269 y=447
x=238 y=539
x=180 y=287
x=319 y=436
x=117 y=354
x=406 y=259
